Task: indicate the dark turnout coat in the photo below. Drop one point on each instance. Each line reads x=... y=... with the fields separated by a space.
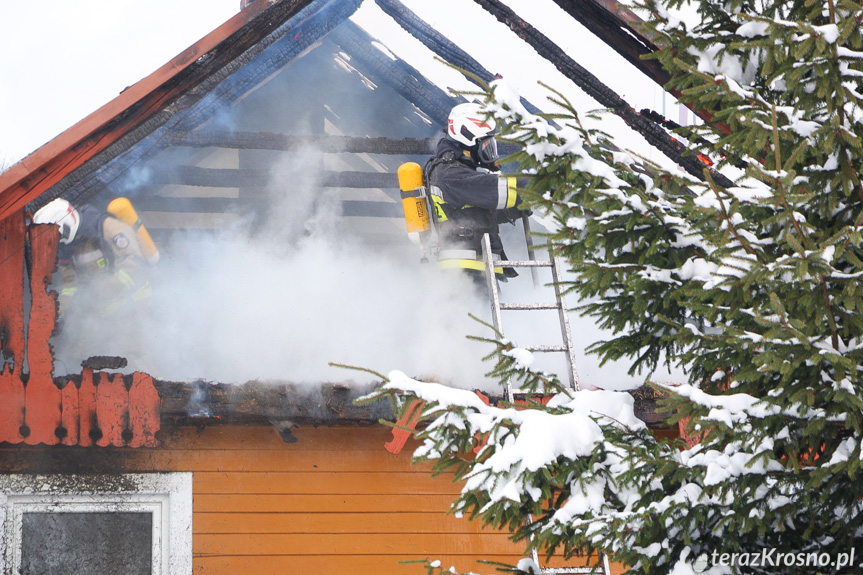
x=468 y=202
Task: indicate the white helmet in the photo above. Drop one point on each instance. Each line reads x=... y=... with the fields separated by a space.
x=471 y=127
x=62 y=213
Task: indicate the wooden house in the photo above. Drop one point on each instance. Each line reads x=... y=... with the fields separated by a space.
x=110 y=469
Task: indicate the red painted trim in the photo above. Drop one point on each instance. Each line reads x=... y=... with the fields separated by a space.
x=12 y=240
x=42 y=412
x=87 y=408
x=71 y=415
x=144 y=408
x=11 y=408
x=112 y=409
x=41 y=409
x=408 y=420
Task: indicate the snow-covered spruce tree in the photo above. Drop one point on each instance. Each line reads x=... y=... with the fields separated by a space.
x=754 y=288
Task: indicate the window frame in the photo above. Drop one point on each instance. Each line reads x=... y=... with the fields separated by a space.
x=167 y=496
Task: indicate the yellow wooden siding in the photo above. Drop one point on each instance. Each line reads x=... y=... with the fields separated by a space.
x=335 y=501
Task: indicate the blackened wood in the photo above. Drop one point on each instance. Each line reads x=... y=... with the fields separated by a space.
x=618 y=30
x=188 y=403
x=442 y=46
x=398 y=74
x=369 y=209
x=653 y=133
x=156 y=203
x=98 y=362
x=231 y=178
x=285 y=142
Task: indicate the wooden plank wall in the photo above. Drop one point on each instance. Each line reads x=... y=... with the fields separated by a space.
x=334 y=502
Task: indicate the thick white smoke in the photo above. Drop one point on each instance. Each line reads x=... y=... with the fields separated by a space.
x=280 y=298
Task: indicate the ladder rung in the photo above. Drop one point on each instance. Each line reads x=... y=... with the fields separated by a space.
x=573 y=570
x=529 y=306
x=544 y=347
x=523 y=263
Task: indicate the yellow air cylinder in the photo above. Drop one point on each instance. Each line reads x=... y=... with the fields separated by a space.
x=122 y=209
x=414 y=200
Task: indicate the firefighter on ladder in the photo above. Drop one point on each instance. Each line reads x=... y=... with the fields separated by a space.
x=469 y=196
x=108 y=252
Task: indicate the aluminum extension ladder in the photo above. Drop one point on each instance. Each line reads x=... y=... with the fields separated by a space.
x=605 y=569
x=560 y=305
x=567 y=347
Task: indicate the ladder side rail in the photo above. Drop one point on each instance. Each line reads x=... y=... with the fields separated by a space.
x=531 y=254
x=567 y=347
x=494 y=296
x=525 y=263
x=491 y=283
x=566 y=331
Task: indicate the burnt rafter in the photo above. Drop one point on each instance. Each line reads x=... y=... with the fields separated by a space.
x=326 y=143
x=441 y=45
x=351 y=208
x=626 y=33
x=233 y=178
x=654 y=134
x=618 y=27
x=406 y=80
x=289 y=143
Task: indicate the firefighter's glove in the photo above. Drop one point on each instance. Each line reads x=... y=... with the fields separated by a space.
x=511 y=215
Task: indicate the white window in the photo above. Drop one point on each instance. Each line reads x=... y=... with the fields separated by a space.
x=126 y=524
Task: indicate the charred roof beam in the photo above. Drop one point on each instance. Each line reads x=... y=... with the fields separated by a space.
x=440 y=45
x=350 y=208
x=406 y=80
x=289 y=143
x=617 y=26
x=592 y=86
x=234 y=178
x=189 y=403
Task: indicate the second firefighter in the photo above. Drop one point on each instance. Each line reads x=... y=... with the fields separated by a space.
x=469 y=195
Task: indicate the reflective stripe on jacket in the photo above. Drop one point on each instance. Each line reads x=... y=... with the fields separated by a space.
x=466 y=202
